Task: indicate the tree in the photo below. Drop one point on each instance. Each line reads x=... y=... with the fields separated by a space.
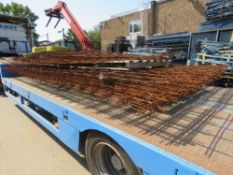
x=71 y=37
x=94 y=35
x=16 y=9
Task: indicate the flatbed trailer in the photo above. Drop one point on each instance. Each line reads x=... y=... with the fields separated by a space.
x=195 y=138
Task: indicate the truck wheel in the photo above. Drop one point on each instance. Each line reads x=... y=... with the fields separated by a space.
x=104 y=157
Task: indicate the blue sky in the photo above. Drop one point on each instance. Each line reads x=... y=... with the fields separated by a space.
x=88 y=12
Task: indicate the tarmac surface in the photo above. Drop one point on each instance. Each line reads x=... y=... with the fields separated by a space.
x=26 y=148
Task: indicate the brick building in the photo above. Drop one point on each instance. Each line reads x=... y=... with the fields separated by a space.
x=164 y=16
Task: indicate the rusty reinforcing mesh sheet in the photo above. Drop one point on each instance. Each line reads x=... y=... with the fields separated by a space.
x=143 y=90
x=83 y=57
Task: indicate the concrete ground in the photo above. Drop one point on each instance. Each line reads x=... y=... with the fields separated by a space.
x=26 y=149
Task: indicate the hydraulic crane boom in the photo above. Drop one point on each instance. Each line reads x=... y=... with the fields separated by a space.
x=61 y=11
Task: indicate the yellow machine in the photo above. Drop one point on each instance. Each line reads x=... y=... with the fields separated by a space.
x=48 y=49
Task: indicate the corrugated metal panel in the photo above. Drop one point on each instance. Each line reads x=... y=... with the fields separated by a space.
x=225 y=36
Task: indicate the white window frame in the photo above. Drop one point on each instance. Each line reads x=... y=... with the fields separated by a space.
x=132 y=23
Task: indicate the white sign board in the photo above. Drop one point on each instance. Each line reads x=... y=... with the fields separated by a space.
x=16 y=34
x=12 y=32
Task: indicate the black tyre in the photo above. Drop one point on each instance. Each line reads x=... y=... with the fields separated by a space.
x=105 y=157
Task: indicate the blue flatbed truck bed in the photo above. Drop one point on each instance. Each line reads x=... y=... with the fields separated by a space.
x=196 y=138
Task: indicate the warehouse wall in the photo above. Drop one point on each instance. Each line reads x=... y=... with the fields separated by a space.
x=120 y=26
x=164 y=17
x=177 y=16
x=15 y=37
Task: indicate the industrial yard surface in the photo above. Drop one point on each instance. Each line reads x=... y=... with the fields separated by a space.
x=26 y=149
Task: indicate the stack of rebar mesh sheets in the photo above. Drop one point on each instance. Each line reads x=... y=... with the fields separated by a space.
x=141 y=89
x=218 y=9
x=96 y=59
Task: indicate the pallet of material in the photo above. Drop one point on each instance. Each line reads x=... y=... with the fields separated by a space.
x=216 y=53
x=95 y=60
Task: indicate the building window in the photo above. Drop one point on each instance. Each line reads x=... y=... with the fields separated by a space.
x=135 y=26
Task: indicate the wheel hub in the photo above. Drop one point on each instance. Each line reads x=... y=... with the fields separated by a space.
x=107 y=161
x=116 y=162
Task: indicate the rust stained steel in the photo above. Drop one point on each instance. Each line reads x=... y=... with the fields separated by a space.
x=83 y=57
x=144 y=90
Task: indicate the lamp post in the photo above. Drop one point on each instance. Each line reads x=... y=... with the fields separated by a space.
x=63 y=36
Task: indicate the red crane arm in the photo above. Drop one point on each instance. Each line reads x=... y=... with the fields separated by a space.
x=61 y=11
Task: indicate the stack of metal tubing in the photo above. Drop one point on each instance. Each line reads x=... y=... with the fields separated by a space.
x=218 y=9
x=141 y=89
x=216 y=53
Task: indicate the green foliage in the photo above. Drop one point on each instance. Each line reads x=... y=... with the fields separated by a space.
x=15 y=9
x=71 y=37
x=36 y=38
x=94 y=35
